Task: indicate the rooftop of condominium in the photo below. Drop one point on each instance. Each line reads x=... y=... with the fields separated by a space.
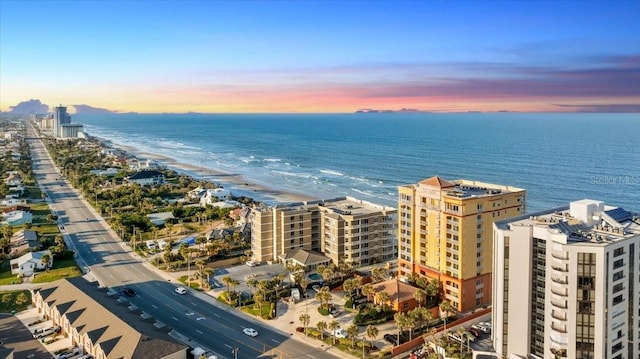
x=587 y=221
x=462 y=188
x=341 y=205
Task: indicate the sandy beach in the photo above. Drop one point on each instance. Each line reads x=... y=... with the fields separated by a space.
x=237 y=184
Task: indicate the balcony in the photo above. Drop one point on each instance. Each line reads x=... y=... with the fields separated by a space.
x=563 y=292
x=560 y=280
x=560 y=328
x=560 y=255
x=559 y=315
x=560 y=267
x=559 y=304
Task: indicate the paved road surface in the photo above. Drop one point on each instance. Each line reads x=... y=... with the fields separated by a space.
x=196 y=315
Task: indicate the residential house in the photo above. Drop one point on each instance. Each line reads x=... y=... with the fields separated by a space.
x=22 y=241
x=100 y=325
x=12 y=200
x=27 y=264
x=159 y=219
x=147 y=178
x=18 y=218
x=214 y=195
x=13 y=179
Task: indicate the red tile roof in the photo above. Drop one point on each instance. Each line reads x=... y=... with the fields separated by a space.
x=438 y=182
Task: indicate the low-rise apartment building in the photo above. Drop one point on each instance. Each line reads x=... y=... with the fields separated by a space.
x=345 y=229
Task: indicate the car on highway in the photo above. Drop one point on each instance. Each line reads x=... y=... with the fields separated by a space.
x=128 y=292
x=250 y=332
x=181 y=290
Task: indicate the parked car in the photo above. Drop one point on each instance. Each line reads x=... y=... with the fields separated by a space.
x=335 y=313
x=340 y=333
x=475 y=332
x=481 y=328
x=71 y=353
x=41 y=333
x=391 y=338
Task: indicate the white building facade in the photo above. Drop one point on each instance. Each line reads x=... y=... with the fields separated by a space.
x=566 y=283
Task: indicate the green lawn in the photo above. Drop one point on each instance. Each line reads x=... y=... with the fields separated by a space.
x=49 y=229
x=6 y=277
x=15 y=300
x=61 y=269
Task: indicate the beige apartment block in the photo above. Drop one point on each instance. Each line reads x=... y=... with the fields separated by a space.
x=445 y=232
x=346 y=230
x=567 y=283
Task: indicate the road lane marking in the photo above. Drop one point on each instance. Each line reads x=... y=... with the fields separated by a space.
x=199 y=331
x=194 y=304
x=228 y=346
x=174 y=318
x=217 y=315
x=189 y=314
x=201 y=318
x=154 y=306
x=275 y=341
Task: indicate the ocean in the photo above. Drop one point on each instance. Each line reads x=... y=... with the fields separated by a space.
x=557 y=158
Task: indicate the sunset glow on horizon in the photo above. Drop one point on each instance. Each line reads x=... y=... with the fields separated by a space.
x=284 y=56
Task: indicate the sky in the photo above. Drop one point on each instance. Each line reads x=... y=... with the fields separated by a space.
x=322 y=56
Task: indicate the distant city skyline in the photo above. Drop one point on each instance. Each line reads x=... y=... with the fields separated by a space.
x=318 y=56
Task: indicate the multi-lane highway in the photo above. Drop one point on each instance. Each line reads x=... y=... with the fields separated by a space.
x=195 y=315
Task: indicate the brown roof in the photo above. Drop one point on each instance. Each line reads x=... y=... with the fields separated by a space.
x=395 y=286
x=438 y=182
x=16 y=208
x=107 y=324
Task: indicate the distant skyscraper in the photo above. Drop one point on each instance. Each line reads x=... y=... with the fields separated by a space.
x=566 y=283
x=60 y=117
x=445 y=233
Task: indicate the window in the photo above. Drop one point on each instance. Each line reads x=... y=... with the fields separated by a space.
x=619 y=263
x=618 y=252
x=618 y=299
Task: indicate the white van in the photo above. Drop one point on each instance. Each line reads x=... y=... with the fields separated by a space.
x=151 y=245
x=162 y=244
x=41 y=333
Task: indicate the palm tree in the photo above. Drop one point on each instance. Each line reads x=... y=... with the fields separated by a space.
x=252 y=283
x=410 y=323
x=372 y=333
x=367 y=290
x=379 y=274
x=321 y=326
x=400 y=319
x=328 y=272
x=304 y=319
x=201 y=265
x=333 y=325
x=208 y=271
x=227 y=281
x=383 y=298
x=324 y=296
x=349 y=286
x=45 y=260
x=419 y=296
x=352 y=332
x=461 y=334
x=445 y=308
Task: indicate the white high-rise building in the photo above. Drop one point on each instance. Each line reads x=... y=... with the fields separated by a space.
x=60 y=117
x=566 y=283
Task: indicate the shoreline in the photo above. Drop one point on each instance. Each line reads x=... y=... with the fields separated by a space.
x=236 y=183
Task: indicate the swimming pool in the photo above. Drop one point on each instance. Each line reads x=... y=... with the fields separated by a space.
x=314 y=276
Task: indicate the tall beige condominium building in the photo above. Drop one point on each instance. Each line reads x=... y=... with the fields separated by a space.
x=445 y=233
x=567 y=283
x=344 y=229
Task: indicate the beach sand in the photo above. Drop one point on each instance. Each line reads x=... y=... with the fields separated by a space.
x=237 y=184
